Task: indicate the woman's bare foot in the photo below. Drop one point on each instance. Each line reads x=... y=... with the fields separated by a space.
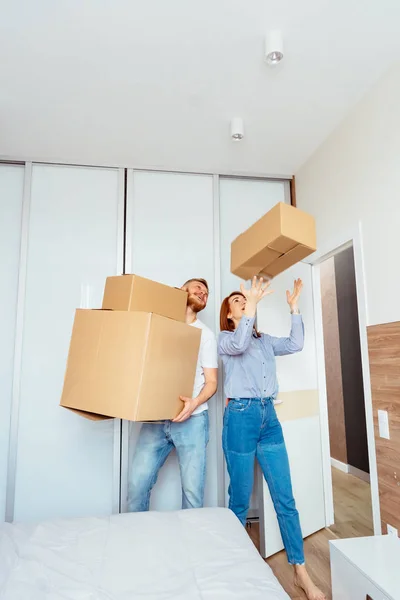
x=303 y=581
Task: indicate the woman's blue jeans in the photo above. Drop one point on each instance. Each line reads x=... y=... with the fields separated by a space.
x=252 y=430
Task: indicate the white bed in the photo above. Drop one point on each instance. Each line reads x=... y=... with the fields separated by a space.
x=184 y=555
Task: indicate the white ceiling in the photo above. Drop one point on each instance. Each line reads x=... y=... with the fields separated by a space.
x=154 y=83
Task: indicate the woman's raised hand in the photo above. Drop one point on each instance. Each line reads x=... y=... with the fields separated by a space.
x=293 y=297
x=257 y=291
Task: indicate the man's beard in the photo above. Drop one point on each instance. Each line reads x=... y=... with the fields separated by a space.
x=195 y=303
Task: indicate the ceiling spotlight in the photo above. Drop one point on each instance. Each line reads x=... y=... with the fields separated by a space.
x=274 y=47
x=237 y=129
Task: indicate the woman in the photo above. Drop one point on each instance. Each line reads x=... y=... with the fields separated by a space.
x=251 y=428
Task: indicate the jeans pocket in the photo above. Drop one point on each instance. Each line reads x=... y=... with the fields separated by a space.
x=239 y=404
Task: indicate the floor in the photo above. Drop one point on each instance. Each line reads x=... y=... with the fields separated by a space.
x=353 y=518
x=353 y=507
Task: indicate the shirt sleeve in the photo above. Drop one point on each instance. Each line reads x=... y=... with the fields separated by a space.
x=209 y=357
x=236 y=342
x=292 y=344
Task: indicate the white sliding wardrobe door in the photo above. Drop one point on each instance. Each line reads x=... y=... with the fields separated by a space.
x=299 y=411
x=242 y=203
x=170 y=238
x=64 y=462
x=11 y=195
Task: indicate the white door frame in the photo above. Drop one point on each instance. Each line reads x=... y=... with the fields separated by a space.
x=328 y=249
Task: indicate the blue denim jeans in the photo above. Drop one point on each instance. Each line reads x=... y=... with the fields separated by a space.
x=156 y=440
x=252 y=430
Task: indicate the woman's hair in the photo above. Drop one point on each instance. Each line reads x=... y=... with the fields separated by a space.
x=226 y=324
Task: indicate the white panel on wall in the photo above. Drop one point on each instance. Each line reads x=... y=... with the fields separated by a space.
x=64 y=462
x=171 y=239
x=11 y=196
x=242 y=203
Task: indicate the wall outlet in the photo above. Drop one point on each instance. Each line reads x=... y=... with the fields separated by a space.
x=383 y=422
x=392 y=531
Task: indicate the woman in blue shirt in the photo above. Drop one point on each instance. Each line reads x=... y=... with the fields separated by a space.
x=251 y=428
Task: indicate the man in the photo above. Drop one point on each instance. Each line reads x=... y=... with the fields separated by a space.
x=188 y=432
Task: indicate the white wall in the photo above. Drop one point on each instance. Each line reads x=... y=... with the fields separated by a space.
x=355 y=177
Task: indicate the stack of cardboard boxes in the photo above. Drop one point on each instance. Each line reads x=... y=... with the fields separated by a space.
x=134 y=357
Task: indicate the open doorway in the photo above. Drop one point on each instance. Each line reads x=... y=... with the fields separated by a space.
x=345 y=397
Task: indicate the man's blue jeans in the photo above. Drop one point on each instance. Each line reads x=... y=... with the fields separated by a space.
x=252 y=430
x=156 y=440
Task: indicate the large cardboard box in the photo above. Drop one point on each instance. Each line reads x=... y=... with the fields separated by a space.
x=129 y=365
x=134 y=293
x=280 y=239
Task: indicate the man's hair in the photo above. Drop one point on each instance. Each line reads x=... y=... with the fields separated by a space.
x=199 y=279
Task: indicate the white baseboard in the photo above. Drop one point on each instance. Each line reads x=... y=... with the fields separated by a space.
x=339 y=465
x=360 y=474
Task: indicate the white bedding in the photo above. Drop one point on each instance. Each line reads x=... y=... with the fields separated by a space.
x=184 y=555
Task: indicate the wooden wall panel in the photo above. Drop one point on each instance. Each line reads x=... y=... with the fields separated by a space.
x=333 y=368
x=384 y=359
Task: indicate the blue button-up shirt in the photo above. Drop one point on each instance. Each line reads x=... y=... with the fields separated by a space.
x=249 y=362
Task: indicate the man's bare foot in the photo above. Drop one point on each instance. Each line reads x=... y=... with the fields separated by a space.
x=303 y=581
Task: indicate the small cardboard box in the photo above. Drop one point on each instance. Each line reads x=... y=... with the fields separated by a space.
x=134 y=293
x=129 y=365
x=280 y=239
